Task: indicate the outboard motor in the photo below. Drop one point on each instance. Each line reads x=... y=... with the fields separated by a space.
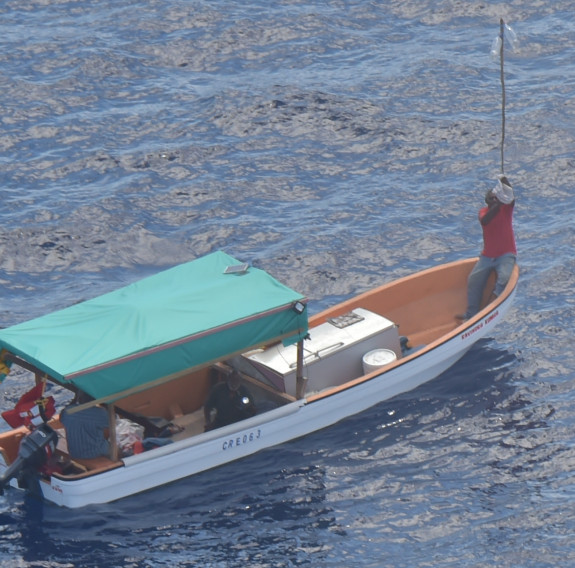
x=35 y=449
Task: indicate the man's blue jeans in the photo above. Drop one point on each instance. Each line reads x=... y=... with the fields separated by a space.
x=503 y=266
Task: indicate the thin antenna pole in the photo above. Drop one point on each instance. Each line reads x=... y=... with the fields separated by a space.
x=502 y=38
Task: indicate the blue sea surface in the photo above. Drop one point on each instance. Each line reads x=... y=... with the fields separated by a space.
x=338 y=145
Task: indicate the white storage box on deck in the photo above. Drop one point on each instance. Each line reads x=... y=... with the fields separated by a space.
x=332 y=356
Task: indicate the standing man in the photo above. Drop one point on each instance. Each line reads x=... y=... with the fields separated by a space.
x=499 y=250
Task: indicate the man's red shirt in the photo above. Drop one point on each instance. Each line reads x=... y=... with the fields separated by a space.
x=498 y=237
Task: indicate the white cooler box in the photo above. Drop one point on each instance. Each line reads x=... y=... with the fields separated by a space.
x=333 y=354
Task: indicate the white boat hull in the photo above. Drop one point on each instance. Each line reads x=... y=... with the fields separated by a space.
x=205 y=451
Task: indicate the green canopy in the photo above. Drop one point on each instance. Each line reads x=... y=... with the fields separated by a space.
x=182 y=318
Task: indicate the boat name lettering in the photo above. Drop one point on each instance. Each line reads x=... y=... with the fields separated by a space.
x=491 y=317
x=242 y=440
x=56 y=488
x=486 y=321
x=472 y=331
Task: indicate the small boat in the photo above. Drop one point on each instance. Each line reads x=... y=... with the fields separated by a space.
x=150 y=353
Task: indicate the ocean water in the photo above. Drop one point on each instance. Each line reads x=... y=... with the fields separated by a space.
x=338 y=145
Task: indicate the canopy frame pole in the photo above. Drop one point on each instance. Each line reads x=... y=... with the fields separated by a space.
x=502 y=77
x=301 y=381
x=112 y=433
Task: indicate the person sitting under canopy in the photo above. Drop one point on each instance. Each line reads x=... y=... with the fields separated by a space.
x=228 y=402
x=86 y=430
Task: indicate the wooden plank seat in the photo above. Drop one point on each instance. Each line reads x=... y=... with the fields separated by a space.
x=266 y=391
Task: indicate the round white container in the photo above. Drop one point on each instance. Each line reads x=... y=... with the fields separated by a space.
x=376 y=359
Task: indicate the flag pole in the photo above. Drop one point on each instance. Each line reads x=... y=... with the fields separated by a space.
x=501 y=57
